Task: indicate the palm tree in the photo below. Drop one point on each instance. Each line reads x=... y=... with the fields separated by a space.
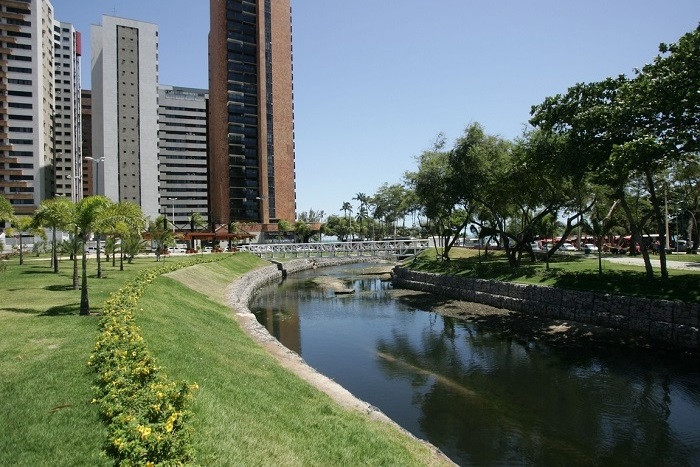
x=131 y=245
x=119 y=220
x=55 y=214
x=160 y=235
x=87 y=216
x=22 y=224
x=197 y=221
x=362 y=213
x=347 y=207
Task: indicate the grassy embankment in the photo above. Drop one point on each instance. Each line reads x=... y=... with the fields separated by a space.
x=570 y=271
x=248 y=410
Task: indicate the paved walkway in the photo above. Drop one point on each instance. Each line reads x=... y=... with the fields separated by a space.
x=639 y=261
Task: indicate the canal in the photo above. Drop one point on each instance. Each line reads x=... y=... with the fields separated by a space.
x=481 y=396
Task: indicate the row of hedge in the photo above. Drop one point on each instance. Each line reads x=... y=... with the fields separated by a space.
x=145 y=411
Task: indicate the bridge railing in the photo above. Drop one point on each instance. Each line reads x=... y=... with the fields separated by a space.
x=398 y=248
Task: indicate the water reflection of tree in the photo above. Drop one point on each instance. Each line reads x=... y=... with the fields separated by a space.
x=489 y=400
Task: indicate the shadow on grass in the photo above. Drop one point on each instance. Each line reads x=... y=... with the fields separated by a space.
x=676 y=287
x=62 y=310
x=38 y=271
x=59 y=288
x=26 y=311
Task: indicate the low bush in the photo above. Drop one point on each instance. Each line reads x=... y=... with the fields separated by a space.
x=146 y=413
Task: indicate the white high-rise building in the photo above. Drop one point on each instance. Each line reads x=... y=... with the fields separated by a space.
x=125 y=111
x=67 y=116
x=183 y=153
x=27 y=103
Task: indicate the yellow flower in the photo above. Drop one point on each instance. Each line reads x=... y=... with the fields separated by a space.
x=144 y=431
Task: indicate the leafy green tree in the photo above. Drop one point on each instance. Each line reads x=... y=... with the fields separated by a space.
x=302 y=230
x=435 y=190
x=338 y=226
x=6 y=211
x=389 y=203
x=634 y=131
x=311 y=216
x=55 y=214
x=283 y=226
x=685 y=192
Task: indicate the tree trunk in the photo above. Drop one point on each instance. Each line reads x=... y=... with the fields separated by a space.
x=121 y=259
x=75 y=261
x=99 y=263
x=84 y=299
x=54 y=253
x=21 y=250
x=660 y=225
x=636 y=235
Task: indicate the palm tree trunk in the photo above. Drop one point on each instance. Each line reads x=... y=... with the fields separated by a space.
x=54 y=254
x=99 y=263
x=75 y=260
x=21 y=250
x=84 y=299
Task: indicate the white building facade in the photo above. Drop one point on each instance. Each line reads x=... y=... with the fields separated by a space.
x=67 y=116
x=125 y=111
x=27 y=83
x=182 y=137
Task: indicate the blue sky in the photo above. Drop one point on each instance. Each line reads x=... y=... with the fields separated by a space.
x=376 y=80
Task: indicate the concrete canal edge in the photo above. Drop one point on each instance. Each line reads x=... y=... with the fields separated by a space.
x=672 y=323
x=238 y=296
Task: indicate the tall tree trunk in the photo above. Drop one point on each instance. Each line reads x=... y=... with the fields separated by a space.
x=54 y=253
x=121 y=258
x=76 y=242
x=84 y=299
x=99 y=263
x=636 y=235
x=660 y=225
x=21 y=250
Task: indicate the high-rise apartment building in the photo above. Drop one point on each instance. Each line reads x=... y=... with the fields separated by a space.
x=86 y=143
x=27 y=110
x=67 y=115
x=125 y=111
x=182 y=135
x=251 y=129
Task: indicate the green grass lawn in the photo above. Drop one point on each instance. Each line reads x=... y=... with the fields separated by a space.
x=571 y=272
x=248 y=410
x=45 y=385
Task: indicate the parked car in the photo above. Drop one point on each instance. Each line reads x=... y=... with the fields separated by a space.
x=567 y=247
x=589 y=248
x=535 y=247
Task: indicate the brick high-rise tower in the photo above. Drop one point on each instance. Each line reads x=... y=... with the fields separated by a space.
x=250 y=115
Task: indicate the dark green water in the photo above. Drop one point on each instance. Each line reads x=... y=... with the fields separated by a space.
x=482 y=398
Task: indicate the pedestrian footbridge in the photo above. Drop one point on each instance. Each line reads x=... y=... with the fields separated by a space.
x=395 y=249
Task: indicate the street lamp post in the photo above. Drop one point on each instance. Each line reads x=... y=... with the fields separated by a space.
x=96 y=175
x=173 y=212
x=74 y=186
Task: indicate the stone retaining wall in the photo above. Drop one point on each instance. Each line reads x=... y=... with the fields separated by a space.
x=674 y=323
x=241 y=291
